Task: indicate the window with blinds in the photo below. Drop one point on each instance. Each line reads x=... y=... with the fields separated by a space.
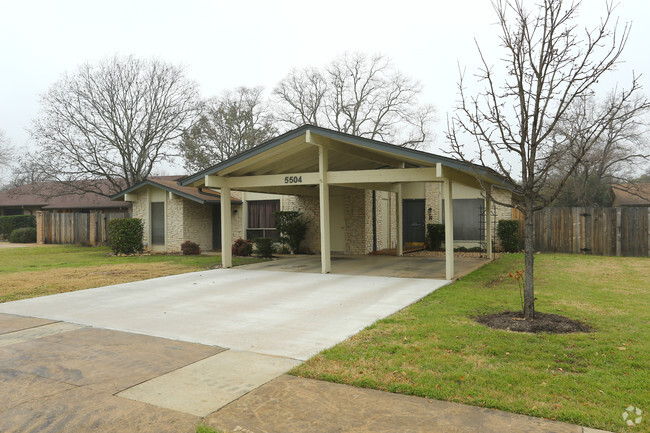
x=261 y=219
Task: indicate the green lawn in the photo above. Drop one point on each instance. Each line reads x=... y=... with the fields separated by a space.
x=435 y=349
x=59 y=256
x=45 y=270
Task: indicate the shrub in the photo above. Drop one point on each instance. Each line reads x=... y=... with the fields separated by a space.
x=435 y=236
x=125 y=235
x=242 y=247
x=292 y=228
x=25 y=235
x=508 y=232
x=264 y=247
x=10 y=223
x=190 y=248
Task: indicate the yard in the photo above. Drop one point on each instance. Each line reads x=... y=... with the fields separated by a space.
x=435 y=349
x=46 y=270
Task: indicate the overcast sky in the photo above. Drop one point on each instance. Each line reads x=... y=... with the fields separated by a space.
x=249 y=43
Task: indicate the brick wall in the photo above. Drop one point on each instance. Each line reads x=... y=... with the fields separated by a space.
x=433 y=200
x=355 y=203
x=310 y=207
x=196 y=225
x=140 y=209
x=174 y=235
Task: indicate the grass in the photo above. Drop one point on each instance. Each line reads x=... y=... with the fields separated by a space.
x=45 y=270
x=202 y=428
x=435 y=349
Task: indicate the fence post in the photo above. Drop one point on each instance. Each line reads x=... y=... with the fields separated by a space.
x=40 y=228
x=618 y=231
x=93 y=229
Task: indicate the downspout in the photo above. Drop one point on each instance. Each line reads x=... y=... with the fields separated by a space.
x=374 y=220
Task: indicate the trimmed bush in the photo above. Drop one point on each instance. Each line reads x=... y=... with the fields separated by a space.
x=125 y=235
x=190 y=248
x=242 y=248
x=435 y=236
x=508 y=232
x=25 y=235
x=10 y=223
x=292 y=228
x=264 y=247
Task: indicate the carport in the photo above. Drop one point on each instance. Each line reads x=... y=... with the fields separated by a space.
x=310 y=161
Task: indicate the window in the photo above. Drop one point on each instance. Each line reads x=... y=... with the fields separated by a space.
x=261 y=219
x=467 y=216
x=158 y=223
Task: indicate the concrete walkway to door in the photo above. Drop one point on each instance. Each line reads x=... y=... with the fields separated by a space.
x=378 y=266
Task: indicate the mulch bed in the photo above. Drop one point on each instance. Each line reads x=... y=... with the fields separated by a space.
x=543 y=322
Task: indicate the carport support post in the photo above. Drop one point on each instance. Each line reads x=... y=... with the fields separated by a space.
x=226 y=232
x=488 y=225
x=325 y=253
x=399 y=223
x=449 y=229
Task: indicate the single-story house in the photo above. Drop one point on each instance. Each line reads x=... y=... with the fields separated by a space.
x=631 y=194
x=55 y=197
x=358 y=195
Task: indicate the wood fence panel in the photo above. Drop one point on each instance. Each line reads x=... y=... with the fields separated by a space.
x=602 y=231
x=75 y=228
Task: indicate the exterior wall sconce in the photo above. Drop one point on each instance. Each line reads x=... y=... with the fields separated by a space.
x=430 y=214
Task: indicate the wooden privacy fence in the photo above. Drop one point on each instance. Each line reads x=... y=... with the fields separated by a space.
x=620 y=231
x=74 y=228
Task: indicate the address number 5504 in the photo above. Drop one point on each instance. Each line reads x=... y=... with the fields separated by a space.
x=293 y=179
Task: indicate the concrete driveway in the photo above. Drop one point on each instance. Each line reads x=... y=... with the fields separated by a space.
x=253 y=325
x=294 y=315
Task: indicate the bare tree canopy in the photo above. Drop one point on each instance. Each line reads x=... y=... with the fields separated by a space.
x=359 y=95
x=6 y=151
x=113 y=120
x=613 y=159
x=549 y=63
x=229 y=125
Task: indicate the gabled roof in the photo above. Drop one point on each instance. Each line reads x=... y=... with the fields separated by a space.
x=288 y=153
x=632 y=194
x=170 y=183
x=54 y=195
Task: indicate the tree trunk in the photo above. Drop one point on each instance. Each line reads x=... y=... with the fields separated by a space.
x=529 y=248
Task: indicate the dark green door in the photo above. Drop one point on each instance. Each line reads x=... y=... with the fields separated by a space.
x=413 y=223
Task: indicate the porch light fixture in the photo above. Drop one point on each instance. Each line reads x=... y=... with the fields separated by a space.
x=430 y=214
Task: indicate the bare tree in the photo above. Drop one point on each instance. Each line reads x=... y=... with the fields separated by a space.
x=546 y=68
x=359 y=95
x=614 y=158
x=229 y=125
x=6 y=151
x=114 y=120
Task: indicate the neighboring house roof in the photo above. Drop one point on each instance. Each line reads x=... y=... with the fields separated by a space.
x=631 y=194
x=371 y=151
x=170 y=183
x=53 y=195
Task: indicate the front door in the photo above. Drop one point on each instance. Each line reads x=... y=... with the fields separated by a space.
x=216 y=227
x=413 y=222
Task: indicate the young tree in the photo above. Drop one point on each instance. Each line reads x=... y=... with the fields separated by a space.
x=547 y=66
x=114 y=120
x=359 y=95
x=229 y=125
